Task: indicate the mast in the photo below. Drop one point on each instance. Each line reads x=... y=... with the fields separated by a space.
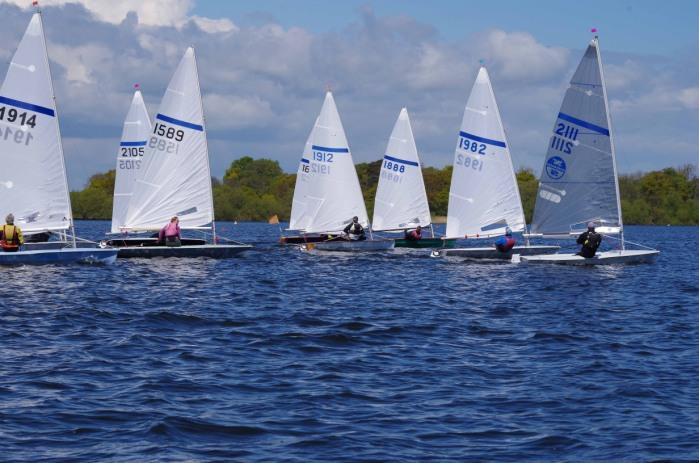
x=58 y=127
x=206 y=147
x=611 y=140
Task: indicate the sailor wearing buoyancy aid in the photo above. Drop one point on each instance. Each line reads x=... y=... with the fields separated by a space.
x=10 y=235
x=590 y=241
x=354 y=230
x=505 y=243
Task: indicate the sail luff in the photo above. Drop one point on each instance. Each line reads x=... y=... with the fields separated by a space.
x=512 y=167
x=206 y=146
x=58 y=129
x=611 y=141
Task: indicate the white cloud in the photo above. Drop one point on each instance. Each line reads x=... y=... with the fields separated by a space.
x=214 y=26
x=519 y=56
x=149 y=12
x=689 y=97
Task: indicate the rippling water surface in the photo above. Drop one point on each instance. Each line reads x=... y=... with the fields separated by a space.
x=286 y=356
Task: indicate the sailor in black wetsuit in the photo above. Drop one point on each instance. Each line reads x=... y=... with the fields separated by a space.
x=590 y=241
x=354 y=230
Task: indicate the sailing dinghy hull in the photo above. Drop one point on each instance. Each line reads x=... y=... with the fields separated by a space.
x=602 y=258
x=352 y=246
x=295 y=240
x=213 y=251
x=59 y=256
x=494 y=254
x=425 y=243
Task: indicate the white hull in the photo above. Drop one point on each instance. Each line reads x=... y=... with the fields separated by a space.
x=492 y=253
x=602 y=258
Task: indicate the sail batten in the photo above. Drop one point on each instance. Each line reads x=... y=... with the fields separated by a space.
x=484 y=197
x=33 y=182
x=578 y=182
x=401 y=199
x=175 y=178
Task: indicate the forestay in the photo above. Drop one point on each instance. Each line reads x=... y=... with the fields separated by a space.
x=484 y=197
x=401 y=200
x=175 y=178
x=333 y=195
x=578 y=181
x=134 y=138
x=33 y=183
x=299 y=212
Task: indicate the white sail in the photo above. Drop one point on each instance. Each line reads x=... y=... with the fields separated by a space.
x=134 y=138
x=299 y=212
x=333 y=195
x=33 y=183
x=578 y=183
x=175 y=178
x=401 y=199
x=484 y=197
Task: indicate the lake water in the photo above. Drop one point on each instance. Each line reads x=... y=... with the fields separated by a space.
x=286 y=356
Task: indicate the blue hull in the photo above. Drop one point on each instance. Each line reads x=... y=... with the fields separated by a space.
x=59 y=256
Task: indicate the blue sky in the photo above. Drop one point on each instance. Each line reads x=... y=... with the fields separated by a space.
x=640 y=26
x=264 y=67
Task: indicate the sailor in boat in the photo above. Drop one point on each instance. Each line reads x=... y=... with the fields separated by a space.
x=590 y=241
x=354 y=230
x=414 y=235
x=11 y=236
x=505 y=243
x=170 y=233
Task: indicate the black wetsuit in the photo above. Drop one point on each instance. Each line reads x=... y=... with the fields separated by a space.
x=590 y=241
x=355 y=229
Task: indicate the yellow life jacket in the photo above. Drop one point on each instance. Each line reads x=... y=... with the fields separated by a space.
x=11 y=234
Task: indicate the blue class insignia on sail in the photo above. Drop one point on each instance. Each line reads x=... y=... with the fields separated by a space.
x=555 y=167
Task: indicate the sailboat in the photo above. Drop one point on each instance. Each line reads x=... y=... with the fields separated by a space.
x=579 y=182
x=174 y=178
x=401 y=199
x=484 y=197
x=134 y=137
x=332 y=196
x=33 y=183
x=299 y=212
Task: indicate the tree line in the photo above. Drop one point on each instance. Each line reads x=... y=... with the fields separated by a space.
x=255 y=189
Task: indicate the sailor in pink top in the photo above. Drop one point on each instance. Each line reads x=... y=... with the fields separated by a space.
x=170 y=233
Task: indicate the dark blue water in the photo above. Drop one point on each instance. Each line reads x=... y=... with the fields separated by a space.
x=285 y=356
